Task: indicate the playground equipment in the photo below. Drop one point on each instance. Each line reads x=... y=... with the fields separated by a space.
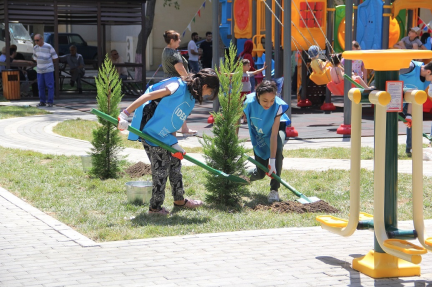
x=303 y=198
x=392 y=256
x=170 y=149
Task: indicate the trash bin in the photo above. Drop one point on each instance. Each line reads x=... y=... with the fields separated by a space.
x=11 y=84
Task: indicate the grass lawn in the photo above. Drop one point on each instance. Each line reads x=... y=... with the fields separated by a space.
x=7 y=112
x=58 y=186
x=81 y=129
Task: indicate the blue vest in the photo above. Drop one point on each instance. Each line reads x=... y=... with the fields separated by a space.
x=170 y=114
x=428 y=44
x=260 y=122
x=412 y=79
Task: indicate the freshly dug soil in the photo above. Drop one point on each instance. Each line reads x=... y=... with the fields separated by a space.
x=297 y=207
x=139 y=169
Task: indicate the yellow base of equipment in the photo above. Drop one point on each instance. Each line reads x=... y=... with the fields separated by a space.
x=381 y=265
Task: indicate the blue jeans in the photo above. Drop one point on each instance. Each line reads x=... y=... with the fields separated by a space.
x=252 y=81
x=46 y=80
x=194 y=66
x=409 y=132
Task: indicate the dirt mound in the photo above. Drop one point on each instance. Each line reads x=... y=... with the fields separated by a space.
x=139 y=169
x=297 y=207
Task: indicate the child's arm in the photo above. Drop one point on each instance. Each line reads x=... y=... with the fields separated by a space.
x=147 y=97
x=259 y=70
x=273 y=145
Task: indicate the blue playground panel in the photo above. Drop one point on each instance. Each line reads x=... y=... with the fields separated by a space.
x=369 y=24
x=225 y=26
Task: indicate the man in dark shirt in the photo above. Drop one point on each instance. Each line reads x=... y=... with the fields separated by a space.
x=76 y=66
x=207 y=51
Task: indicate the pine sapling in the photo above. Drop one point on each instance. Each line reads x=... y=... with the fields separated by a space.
x=224 y=151
x=106 y=139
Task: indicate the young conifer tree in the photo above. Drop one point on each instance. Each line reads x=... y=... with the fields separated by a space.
x=224 y=151
x=106 y=139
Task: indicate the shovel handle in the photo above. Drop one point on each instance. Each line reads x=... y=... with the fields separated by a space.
x=157 y=142
x=424 y=135
x=259 y=165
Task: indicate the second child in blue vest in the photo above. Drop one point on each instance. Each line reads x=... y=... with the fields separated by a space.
x=163 y=109
x=417 y=77
x=266 y=119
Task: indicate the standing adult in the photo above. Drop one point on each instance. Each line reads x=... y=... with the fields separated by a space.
x=193 y=53
x=207 y=51
x=174 y=65
x=76 y=66
x=44 y=55
x=247 y=54
x=116 y=59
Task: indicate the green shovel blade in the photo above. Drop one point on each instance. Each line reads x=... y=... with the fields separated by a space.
x=171 y=149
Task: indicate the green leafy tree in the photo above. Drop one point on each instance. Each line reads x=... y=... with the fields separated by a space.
x=224 y=151
x=106 y=139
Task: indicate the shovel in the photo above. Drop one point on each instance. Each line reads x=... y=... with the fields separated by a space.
x=303 y=198
x=170 y=149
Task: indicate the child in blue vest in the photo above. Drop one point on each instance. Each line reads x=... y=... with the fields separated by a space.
x=160 y=112
x=266 y=119
x=417 y=77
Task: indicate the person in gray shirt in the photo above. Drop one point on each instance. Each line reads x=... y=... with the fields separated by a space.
x=76 y=66
x=411 y=41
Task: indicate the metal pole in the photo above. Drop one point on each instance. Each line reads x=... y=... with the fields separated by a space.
x=215 y=43
x=385 y=26
x=304 y=78
x=410 y=20
x=99 y=34
x=330 y=19
x=268 y=40
x=143 y=47
x=287 y=55
x=348 y=63
x=356 y=3
x=233 y=38
x=277 y=43
x=254 y=17
x=56 y=47
x=7 y=33
x=104 y=51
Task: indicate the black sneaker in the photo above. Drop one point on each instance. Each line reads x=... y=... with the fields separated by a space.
x=50 y=105
x=41 y=105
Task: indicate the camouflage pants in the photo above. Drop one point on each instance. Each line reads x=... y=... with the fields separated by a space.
x=164 y=165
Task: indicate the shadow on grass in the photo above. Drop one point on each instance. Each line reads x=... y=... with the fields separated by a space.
x=255 y=199
x=144 y=219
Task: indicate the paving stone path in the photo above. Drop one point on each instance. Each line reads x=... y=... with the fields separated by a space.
x=37 y=250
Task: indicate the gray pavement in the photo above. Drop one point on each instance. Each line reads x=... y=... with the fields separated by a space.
x=37 y=250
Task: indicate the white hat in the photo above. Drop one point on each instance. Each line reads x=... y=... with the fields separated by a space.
x=415 y=29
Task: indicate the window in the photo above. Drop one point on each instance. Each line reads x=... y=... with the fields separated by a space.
x=63 y=40
x=76 y=40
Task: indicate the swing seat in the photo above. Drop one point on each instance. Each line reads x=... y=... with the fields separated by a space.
x=321 y=78
x=338 y=89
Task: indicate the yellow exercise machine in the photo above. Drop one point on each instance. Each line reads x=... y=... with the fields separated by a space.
x=394 y=256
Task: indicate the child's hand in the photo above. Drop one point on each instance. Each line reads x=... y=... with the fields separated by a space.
x=180 y=152
x=123 y=122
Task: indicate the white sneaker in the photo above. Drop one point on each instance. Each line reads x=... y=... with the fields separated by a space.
x=273 y=196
